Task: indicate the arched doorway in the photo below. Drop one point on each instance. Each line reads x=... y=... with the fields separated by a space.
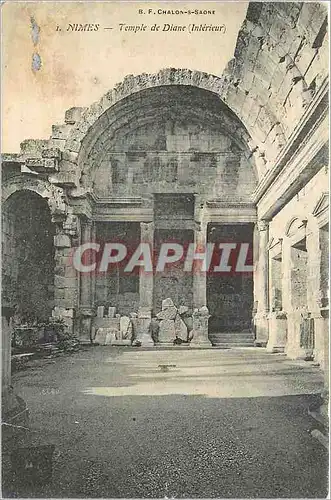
x=27 y=256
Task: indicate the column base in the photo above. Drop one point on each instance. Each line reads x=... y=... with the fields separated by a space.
x=261 y=323
x=321 y=329
x=293 y=349
x=277 y=331
x=200 y=328
x=85 y=330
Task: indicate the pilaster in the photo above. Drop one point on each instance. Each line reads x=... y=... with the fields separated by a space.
x=261 y=286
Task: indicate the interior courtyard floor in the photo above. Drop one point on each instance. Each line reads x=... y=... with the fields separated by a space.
x=174 y=423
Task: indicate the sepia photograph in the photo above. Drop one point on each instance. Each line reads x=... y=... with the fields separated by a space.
x=165 y=249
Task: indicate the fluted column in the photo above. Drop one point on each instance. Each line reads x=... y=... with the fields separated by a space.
x=200 y=310
x=200 y=276
x=261 y=285
x=146 y=283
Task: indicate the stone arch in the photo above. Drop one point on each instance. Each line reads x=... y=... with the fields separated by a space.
x=176 y=109
x=77 y=144
x=129 y=103
x=26 y=182
x=132 y=85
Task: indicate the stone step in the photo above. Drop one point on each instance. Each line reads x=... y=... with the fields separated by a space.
x=224 y=345
x=235 y=339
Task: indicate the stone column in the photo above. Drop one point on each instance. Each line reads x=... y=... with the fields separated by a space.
x=261 y=286
x=277 y=317
x=86 y=295
x=200 y=309
x=146 y=283
x=199 y=276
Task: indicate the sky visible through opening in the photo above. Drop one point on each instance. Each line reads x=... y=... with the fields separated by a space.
x=47 y=69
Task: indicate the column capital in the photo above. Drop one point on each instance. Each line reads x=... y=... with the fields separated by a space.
x=147 y=226
x=87 y=222
x=262 y=225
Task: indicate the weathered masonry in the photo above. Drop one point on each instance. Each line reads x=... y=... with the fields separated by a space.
x=186 y=156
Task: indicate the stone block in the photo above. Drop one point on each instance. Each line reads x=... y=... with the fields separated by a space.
x=105 y=336
x=51 y=153
x=64 y=179
x=168 y=313
x=64 y=282
x=167 y=332
x=167 y=303
x=125 y=327
x=33 y=146
x=61 y=312
x=73 y=115
x=111 y=312
x=60 y=131
x=101 y=312
x=62 y=241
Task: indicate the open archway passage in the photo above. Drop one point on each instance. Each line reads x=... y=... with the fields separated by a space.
x=27 y=256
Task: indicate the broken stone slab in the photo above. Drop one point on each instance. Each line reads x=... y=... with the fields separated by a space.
x=167 y=303
x=169 y=313
x=125 y=327
x=105 y=336
x=180 y=328
x=112 y=323
x=111 y=312
x=167 y=332
x=188 y=320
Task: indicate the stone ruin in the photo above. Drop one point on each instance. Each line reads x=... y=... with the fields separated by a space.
x=112 y=329
x=171 y=326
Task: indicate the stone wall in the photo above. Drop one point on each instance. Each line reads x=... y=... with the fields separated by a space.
x=303 y=266
x=281 y=60
x=173 y=282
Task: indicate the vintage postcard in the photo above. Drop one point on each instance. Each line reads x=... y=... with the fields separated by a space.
x=165 y=249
